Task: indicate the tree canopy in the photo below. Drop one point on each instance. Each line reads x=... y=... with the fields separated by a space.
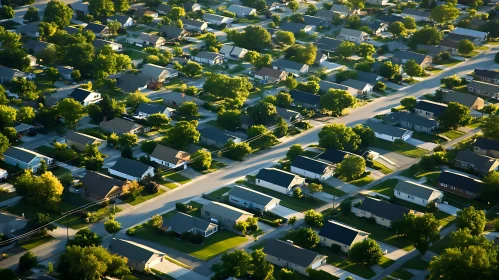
x=339 y=136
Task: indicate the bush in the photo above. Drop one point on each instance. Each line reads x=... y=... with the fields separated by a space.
x=185 y=235
x=27 y=262
x=336 y=248
x=346 y=206
x=432 y=207
x=181 y=207
x=371 y=220
x=196 y=239
x=131 y=232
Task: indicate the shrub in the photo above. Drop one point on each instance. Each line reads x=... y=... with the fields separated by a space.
x=371 y=220
x=432 y=207
x=336 y=248
x=196 y=238
x=131 y=232
x=185 y=235
x=346 y=206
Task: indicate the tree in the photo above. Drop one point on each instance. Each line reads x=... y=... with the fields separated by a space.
x=421 y=230
x=294 y=151
x=101 y=8
x=346 y=49
x=158 y=120
x=465 y=46
x=236 y=264
x=25 y=88
x=76 y=75
x=85 y=238
x=8 y=274
x=451 y=81
x=182 y=134
x=7 y=12
x=224 y=86
x=4 y=143
x=352 y=167
x=128 y=139
x=92 y=158
x=314 y=188
x=490 y=126
x=126 y=152
x=114 y=27
x=353 y=22
x=285 y=38
x=42 y=221
x=309 y=86
x=157 y=221
x=237 y=151
x=409 y=102
x=302 y=54
x=134 y=99
x=229 y=119
x=176 y=13
x=367 y=252
x=365 y=50
x=412 y=68
x=44 y=191
x=283 y=99
x=336 y=101
x=292 y=221
x=409 y=23
x=389 y=70
x=112 y=226
x=311 y=10
x=27 y=262
x=201 y=160
x=266 y=138
x=365 y=133
x=71 y=110
x=313 y=218
x=254 y=37
x=426 y=36
x=261 y=268
x=121 y=5
x=444 y=13
x=454 y=115
x=31 y=14
x=297 y=193
x=305 y=237
x=262 y=112
x=339 y=136
x=293 y=6
x=281 y=128
x=188 y=109
x=58 y=12
x=472 y=219
x=7 y=116
x=192 y=69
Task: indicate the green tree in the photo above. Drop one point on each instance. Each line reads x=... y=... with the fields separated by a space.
x=281 y=128
x=224 y=86
x=454 y=115
x=352 y=167
x=302 y=54
x=7 y=115
x=52 y=74
x=27 y=262
x=490 y=126
x=367 y=252
x=311 y=10
x=426 y=36
x=339 y=136
x=254 y=37
x=157 y=221
x=409 y=102
x=192 y=69
x=294 y=151
x=472 y=219
x=44 y=191
x=346 y=49
x=42 y=221
x=7 y=12
x=292 y=221
x=313 y=218
x=305 y=237
x=465 y=46
x=285 y=38
x=293 y=6
x=262 y=269
x=176 y=13
x=297 y=193
x=451 y=81
x=201 y=160
x=58 y=12
x=365 y=133
x=444 y=13
x=101 y=8
x=92 y=158
x=121 y=5
x=182 y=134
x=283 y=99
x=229 y=119
x=236 y=264
x=25 y=88
x=188 y=109
x=237 y=151
x=114 y=27
x=409 y=23
x=365 y=50
x=389 y=70
x=76 y=75
x=421 y=230
x=25 y=114
x=85 y=238
x=336 y=101
x=31 y=14
x=309 y=86
x=128 y=140
x=71 y=110
x=496 y=58
x=412 y=68
x=266 y=138
x=158 y=120
x=4 y=143
x=112 y=226
x=262 y=112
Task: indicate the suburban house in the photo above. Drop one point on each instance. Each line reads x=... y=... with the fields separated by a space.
x=388 y=132
x=320 y=58
x=3 y=175
x=401 y=57
x=270 y=75
x=305 y=99
x=459 y=184
x=486 y=75
x=360 y=86
x=80 y=9
x=172 y=32
x=23 y=128
x=340 y=10
x=194 y=25
x=79 y=141
x=10 y=223
x=191 y=6
x=125 y=21
x=146 y=109
x=120 y=126
x=8 y=74
x=479 y=36
x=170 y=157
x=417 y=15
x=85 y=97
x=145 y=39
x=141 y=12
x=378 y=27
x=311 y=168
x=241 y=11
x=34 y=46
x=131 y=82
x=417 y=193
x=72 y=30
x=24 y=158
x=287 y=255
x=480 y=164
x=216 y=137
x=471 y=101
x=140 y=257
x=377 y=2
x=290 y=66
x=211 y=58
x=429 y=109
x=315 y=21
x=99 y=186
x=328 y=45
x=390 y=18
x=325 y=86
x=278 y=180
x=164 y=8
x=246 y=198
x=369 y=77
x=99 y=30
x=448 y=45
x=484 y=89
x=29 y=29
x=410 y=121
x=232 y=52
x=325 y=14
x=336 y=233
x=65 y=72
x=224 y=215
x=353 y=35
x=485 y=146
x=295 y=27
x=217 y=20
x=158 y=73
x=131 y=170
x=334 y=156
x=100 y=43
x=383 y=212
x=181 y=223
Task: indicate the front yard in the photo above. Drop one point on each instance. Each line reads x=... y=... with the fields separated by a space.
x=143 y=197
x=405 y=149
x=217 y=195
x=177 y=177
x=341 y=261
x=452 y=134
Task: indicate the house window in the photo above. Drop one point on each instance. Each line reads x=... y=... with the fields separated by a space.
x=398 y=192
x=410 y=196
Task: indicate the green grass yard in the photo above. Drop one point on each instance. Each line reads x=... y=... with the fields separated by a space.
x=361 y=181
x=144 y=197
x=428 y=137
x=35 y=242
x=218 y=194
x=380 y=167
x=215 y=165
x=332 y=190
x=6 y=195
x=177 y=177
x=416 y=263
x=45 y=150
x=452 y=134
x=405 y=149
x=386 y=187
x=386 y=262
x=341 y=261
x=402 y=274
x=439 y=246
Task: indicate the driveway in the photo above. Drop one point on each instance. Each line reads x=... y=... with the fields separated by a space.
x=339 y=184
x=338 y=272
x=421 y=144
x=448 y=209
x=398 y=159
x=392 y=253
x=171 y=269
x=285 y=212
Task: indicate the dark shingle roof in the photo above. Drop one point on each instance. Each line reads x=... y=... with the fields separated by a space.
x=207 y=55
x=487 y=144
x=79 y=94
x=339 y=232
x=99 y=185
x=171 y=31
x=130 y=167
x=251 y=195
x=284 y=63
x=276 y=176
x=21 y=154
x=310 y=164
x=216 y=134
x=383 y=209
x=316 y=21
x=119 y=18
x=334 y=156
x=407 y=55
x=430 y=106
x=305 y=97
x=462 y=98
x=386 y=129
x=368 y=77
x=410 y=118
x=390 y=18
x=329 y=44
x=181 y=222
x=480 y=162
x=414 y=189
x=270 y=72
x=482 y=86
x=81 y=138
x=486 y=73
x=131 y=251
x=291 y=253
x=95 y=27
x=458 y=180
x=192 y=22
x=150 y=108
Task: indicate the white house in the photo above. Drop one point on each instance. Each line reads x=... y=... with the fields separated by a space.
x=169 y=157
x=139 y=257
x=278 y=180
x=417 y=193
x=85 y=97
x=24 y=159
x=208 y=58
x=125 y=21
x=479 y=36
x=232 y=52
x=388 y=132
x=3 y=174
x=146 y=109
x=342 y=235
x=384 y=213
x=311 y=168
x=417 y=15
x=353 y=35
x=241 y=11
x=131 y=170
x=246 y=198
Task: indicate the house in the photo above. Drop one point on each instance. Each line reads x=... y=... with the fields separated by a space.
x=270 y=75
x=8 y=74
x=480 y=164
x=250 y=199
x=273 y=5
x=325 y=14
x=34 y=46
x=79 y=141
x=191 y=6
x=216 y=138
x=484 y=89
x=141 y=12
x=485 y=146
x=336 y=233
x=412 y=122
x=99 y=30
x=360 y=86
x=288 y=115
x=479 y=36
x=325 y=86
x=72 y=30
x=311 y=168
x=369 y=77
x=131 y=82
x=217 y=20
x=340 y=10
x=353 y=35
x=169 y=157
x=334 y=156
x=246 y=121
x=477 y=23
x=470 y=101
x=125 y=21
x=486 y=75
x=24 y=158
x=81 y=9
x=449 y=46
x=99 y=186
x=390 y=18
x=99 y=44
x=320 y=58
x=194 y=25
x=388 y=132
x=232 y=52
x=131 y=170
x=429 y=109
x=305 y=99
x=164 y=8
x=10 y=224
x=327 y=45
x=459 y=184
x=175 y=99
x=146 y=109
x=157 y=73
x=430 y=49
x=30 y=29
x=290 y=66
x=145 y=39
x=287 y=255
x=65 y=72
x=211 y=58
x=401 y=57
x=120 y=126
x=383 y=212
x=315 y=21
x=417 y=15
x=181 y=223
x=85 y=97
x=295 y=27
x=241 y=11
x=278 y=180
x=378 y=27
x=459 y=37
x=224 y=215
x=172 y=32
x=23 y=129
x=417 y=193
x=140 y=257
x=377 y=2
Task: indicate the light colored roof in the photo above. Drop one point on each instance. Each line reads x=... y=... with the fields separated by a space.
x=82 y=138
x=152 y=70
x=118 y=124
x=239 y=10
x=469 y=32
x=387 y=129
x=225 y=210
x=252 y=195
x=22 y=154
x=339 y=8
x=417 y=190
x=351 y=32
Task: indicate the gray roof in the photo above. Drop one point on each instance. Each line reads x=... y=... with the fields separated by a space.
x=10 y=73
x=276 y=176
x=417 y=190
x=71 y=29
x=339 y=8
x=415 y=12
x=35 y=46
x=171 y=32
x=329 y=44
x=356 y=84
x=169 y=155
x=486 y=144
x=339 y=232
x=461 y=181
x=252 y=195
x=65 y=70
x=407 y=55
x=95 y=27
x=82 y=138
x=192 y=22
x=482 y=86
x=22 y=154
x=119 y=18
x=410 y=118
x=152 y=70
x=480 y=162
x=130 y=167
x=291 y=253
x=130 y=82
x=216 y=134
x=326 y=14
x=325 y=86
x=99 y=185
x=430 y=106
x=208 y=16
x=369 y=77
x=351 y=32
x=99 y=43
x=207 y=55
x=288 y=64
x=387 y=129
x=383 y=209
x=270 y=72
x=134 y=252
x=119 y=125
x=486 y=73
x=310 y=164
x=316 y=21
x=22 y=127
x=28 y=28
x=80 y=94
x=181 y=222
x=224 y=210
x=240 y=10
x=335 y=156
x=305 y=97
x=465 y=99
x=151 y=108
x=287 y=114
x=292 y=26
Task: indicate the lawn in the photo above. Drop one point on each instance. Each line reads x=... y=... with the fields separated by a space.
x=341 y=261
x=386 y=262
x=421 y=173
x=475 y=125
x=386 y=187
x=452 y=134
x=380 y=167
x=215 y=165
x=445 y=219
x=45 y=150
x=134 y=54
x=439 y=246
x=177 y=177
x=35 y=242
x=462 y=202
x=214 y=245
x=169 y=185
x=416 y=263
x=218 y=194
x=144 y=197
x=332 y=190
x=402 y=274
x=450 y=62
x=377 y=232
x=405 y=149
x=428 y=137
x=361 y=181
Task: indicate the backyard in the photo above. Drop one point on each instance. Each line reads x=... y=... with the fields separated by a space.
x=404 y=149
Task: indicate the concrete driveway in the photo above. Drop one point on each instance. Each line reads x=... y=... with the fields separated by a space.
x=398 y=159
x=392 y=253
x=285 y=212
x=177 y=271
x=339 y=184
x=421 y=144
x=338 y=272
x=448 y=209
